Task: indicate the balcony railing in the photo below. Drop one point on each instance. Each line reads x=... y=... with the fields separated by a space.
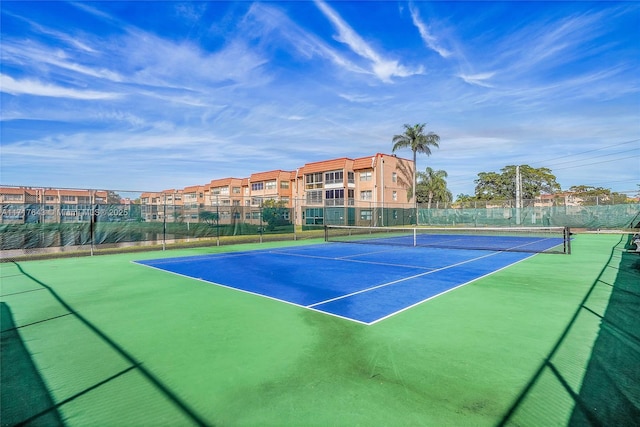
x=339 y=202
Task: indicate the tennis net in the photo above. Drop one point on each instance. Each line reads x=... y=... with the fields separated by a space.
x=512 y=239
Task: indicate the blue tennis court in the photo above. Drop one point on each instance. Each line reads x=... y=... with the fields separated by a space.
x=363 y=283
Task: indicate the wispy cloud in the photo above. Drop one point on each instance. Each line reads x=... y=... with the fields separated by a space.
x=37 y=88
x=548 y=44
x=477 y=79
x=266 y=23
x=429 y=39
x=383 y=68
x=25 y=52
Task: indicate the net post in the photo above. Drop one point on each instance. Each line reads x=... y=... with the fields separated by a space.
x=567 y=240
x=415 y=237
x=326 y=233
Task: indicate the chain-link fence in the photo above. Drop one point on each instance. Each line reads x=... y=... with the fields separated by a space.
x=87 y=220
x=575 y=216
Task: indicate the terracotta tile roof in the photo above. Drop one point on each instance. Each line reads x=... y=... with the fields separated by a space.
x=265 y=176
x=364 y=162
x=143 y=195
x=325 y=165
x=63 y=192
x=172 y=191
x=222 y=182
x=6 y=190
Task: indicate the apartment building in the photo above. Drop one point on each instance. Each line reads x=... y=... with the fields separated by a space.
x=193 y=200
x=352 y=191
x=156 y=206
x=341 y=190
x=16 y=203
x=274 y=185
x=226 y=192
x=40 y=205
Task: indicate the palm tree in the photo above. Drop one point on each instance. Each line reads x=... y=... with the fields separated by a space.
x=434 y=184
x=415 y=139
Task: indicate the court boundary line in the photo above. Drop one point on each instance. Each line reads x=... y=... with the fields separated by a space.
x=405 y=279
x=391 y=249
x=313 y=306
x=448 y=290
x=348 y=259
x=199 y=279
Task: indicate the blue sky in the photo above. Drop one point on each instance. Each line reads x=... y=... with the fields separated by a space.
x=151 y=95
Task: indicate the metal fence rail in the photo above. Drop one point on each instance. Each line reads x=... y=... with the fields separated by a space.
x=107 y=219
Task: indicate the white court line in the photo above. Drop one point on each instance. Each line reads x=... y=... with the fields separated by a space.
x=512 y=248
x=401 y=280
x=355 y=260
x=233 y=288
x=444 y=292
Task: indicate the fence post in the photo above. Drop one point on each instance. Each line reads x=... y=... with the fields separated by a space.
x=164 y=222
x=294 y=218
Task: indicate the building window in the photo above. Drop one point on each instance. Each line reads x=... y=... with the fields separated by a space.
x=366 y=195
x=314 y=197
x=257 y=186
x=313 y=180
x=236 y=190
x=284 y=185
x=334 y=197
x=350 y=196
x=336 y=177
x=394 y=195
x=394 y=177
x=365 y=176
x=334 y=194
x=351 y=178
x=366 y=215
x=270 y=185
x=313 y=216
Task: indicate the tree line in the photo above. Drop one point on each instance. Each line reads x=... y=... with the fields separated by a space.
x=430 y=186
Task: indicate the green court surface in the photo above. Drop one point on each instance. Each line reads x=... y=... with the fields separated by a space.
x=102 y=341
